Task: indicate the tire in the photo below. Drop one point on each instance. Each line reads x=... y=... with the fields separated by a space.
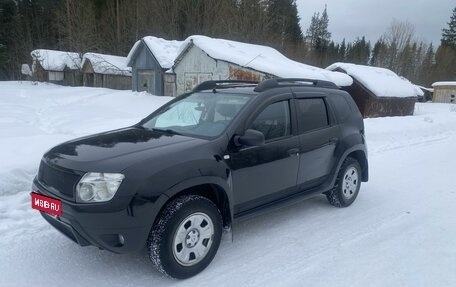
x=347 y=184
x=185 y=236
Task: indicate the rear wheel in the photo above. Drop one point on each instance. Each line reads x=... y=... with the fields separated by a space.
x=186 y=236
x=347 y=184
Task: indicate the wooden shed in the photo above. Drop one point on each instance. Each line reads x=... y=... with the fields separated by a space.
x=201 y=58
x=151 y=60
x=106 y=71
x=379 y=92
x=444 y=92
x=57 y=67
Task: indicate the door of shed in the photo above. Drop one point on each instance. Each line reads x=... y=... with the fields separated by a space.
x=146 y=81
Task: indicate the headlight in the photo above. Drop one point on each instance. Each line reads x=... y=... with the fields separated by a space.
x=98 y=187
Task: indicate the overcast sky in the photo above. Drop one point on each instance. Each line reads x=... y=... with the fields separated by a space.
x=355 y=18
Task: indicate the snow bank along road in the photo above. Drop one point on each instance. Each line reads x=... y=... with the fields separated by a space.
x=401 y=231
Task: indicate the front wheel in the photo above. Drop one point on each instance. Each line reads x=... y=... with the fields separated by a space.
x=347 y=184
x=186 y=236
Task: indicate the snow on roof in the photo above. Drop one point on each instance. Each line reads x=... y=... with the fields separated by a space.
x=165 y=51
x=443 y=84
x=107 y=64
x=419 y=92
x=380 y=81
x=418 y=89
x=261 y=58
x=52 y=60
x=426 y=89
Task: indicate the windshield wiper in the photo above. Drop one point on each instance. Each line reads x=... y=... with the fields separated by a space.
x=168 y=131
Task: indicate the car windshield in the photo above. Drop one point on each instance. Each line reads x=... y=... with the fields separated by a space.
x=199 y=114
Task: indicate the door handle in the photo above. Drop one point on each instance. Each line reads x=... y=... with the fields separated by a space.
x=293 y=152
x=333 y=140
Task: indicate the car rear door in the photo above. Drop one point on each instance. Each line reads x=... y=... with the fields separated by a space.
x=318 y=138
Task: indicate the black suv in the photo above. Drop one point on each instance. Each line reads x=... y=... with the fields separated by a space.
x=176 y=179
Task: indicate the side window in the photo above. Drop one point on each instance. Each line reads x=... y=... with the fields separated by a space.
x=312 y=114
x=341 y=107
x=274 y=121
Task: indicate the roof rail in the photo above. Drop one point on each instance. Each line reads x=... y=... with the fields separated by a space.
x=290 y=82
x=210 y=85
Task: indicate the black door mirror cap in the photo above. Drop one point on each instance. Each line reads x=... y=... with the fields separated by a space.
x=250 y=138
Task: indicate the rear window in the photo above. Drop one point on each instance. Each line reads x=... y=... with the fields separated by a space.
x=312 y=114
x=341 y=107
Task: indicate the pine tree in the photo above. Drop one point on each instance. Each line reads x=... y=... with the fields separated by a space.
x=427 y=67
x=312 y=31
x=317 y=33
x=284 y=20
x=446 y=53
x=359 y=52
x=449 y=34
x=293 y=29
x=318 y=36
x=379 y=54
x=342 y=51
x=324 y=34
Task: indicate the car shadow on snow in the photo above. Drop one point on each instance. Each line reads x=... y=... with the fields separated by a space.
x=72 y=262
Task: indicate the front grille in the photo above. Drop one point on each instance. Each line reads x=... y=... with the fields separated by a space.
x=59 y=181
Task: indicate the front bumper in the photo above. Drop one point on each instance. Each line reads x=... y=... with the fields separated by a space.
x=120 y=231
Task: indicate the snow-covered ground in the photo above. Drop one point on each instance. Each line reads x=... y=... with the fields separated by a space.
x=401 y=231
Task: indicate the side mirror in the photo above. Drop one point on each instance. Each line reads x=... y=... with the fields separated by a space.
x=250 y=138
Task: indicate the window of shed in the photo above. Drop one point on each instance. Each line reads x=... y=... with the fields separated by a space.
x=55 y=76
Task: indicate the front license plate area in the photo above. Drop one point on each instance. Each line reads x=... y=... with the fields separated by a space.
x=46 y=204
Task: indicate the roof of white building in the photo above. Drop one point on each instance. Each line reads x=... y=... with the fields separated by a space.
x=165 y=51
x=52 y=60
x=107 y=64
x=380 y=81
x=261 y=58
x=444 y=84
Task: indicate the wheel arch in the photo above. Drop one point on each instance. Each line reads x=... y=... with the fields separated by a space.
x=361 y=157
x=359 y=153
x=215 y=189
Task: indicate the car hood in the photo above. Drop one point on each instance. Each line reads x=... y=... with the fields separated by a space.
x=115 y=150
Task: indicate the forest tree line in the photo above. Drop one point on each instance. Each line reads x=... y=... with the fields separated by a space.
x=112 y=27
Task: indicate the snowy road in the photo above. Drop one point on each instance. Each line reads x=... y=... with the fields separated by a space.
x=401 y=231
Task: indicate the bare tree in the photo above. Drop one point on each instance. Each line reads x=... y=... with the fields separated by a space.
x=76 y=23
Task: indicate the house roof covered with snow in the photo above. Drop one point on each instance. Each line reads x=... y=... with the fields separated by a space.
x=444 y=84
x=261 y=58
x=165 y=51
x=52 y=60
x=418 y=90
x=425 y=89
x=380 y=81
x=107 y=64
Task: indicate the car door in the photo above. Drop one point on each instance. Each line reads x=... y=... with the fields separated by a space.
x=262 y=174
x=318 y=138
